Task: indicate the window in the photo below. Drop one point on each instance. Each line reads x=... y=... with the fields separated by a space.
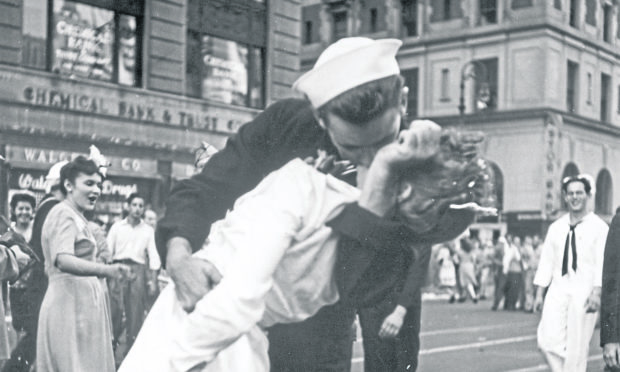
x=308 y=32
x=607 y=22
x=573 y=16
x=488 y=11
x=517 y=4
x=444 y=10
x=572 y=74
x=340 y=25
x=445 y=85
x=411 y=81
x=79 y=40
x=618 y=23
x=605 y=96
x=34 y=34
x=557 y=4
x=603 y=199
x=410 y=17
x=589 y=86
x=227 y=64
x=373 y=20
x=591 y=12
x=227 y=71
x=447 y=5
x=486 y=92
x=311 y=21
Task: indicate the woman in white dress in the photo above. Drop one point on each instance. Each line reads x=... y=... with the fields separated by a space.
x=276 y=256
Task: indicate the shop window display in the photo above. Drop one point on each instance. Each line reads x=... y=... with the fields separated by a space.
x=81 y=40
x=224 y=70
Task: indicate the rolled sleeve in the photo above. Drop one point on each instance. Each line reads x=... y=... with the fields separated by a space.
x=151 y=250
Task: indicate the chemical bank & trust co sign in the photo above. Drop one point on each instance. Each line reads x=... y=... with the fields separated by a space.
x=133 y=109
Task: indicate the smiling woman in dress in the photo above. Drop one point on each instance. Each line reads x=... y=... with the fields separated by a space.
x=74 y=333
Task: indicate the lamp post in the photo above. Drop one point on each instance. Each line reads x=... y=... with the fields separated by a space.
x=478 y=72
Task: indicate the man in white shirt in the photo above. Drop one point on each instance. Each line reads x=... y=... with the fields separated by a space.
x=571 y=266
x=132 y=242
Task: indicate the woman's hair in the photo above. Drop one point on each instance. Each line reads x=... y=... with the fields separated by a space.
x=365 y=102
x=21 y=197
x=456 y=175
x=71 y=170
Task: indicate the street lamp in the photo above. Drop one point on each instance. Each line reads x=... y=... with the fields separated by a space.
x=478 y=72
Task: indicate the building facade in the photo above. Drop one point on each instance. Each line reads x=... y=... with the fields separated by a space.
x=540 y=77
x=145 y=81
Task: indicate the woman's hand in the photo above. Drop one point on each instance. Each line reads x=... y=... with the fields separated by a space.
x=119 y=271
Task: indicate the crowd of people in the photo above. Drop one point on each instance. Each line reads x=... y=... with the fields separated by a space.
x=501 y=270
x=75 y=275
x=321 y=209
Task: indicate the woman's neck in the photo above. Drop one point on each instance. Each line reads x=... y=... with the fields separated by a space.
x=23 y=226
x=74 y=205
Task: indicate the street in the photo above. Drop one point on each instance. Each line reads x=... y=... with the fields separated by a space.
x=472 y=338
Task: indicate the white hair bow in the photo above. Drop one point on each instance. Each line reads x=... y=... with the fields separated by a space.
x=100 y=160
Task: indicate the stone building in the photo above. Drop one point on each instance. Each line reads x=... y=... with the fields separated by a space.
x=540 y=77
x=145 y=81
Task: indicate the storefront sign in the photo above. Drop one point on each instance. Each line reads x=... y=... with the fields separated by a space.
x=114 y=189
x=34 y=181
x=528 y=216
x=133 y=110
x=126 y=165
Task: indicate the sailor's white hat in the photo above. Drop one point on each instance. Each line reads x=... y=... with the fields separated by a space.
x=346 y=64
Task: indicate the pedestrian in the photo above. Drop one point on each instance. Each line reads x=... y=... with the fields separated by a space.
x=34 y=281
x=499 y=276
x=22 y=205
x=513 y=270
x=74 y=332
x=276 y=251
x=467 y=269
x=447 y=275
x=610 y=297
x=571 y=268
x=132 y=242
x=22 y=213
x=530 y=258
x=366 y=73
x=150 y=218
x=12 y=259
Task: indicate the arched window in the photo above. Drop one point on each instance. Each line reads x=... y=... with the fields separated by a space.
x=569 y=170
x=603 y=199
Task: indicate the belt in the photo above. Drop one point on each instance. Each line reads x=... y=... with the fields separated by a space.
x=126 y=261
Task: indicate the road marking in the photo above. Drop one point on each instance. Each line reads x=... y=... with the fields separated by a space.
x=473 y=329
x=545 y=367
x=473 y=345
